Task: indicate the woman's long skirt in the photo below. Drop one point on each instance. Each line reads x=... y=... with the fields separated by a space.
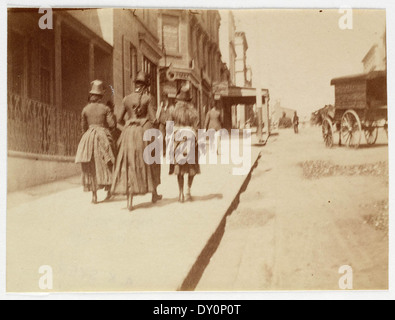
x=95 y=153
x=132 y=174
x=188 y=162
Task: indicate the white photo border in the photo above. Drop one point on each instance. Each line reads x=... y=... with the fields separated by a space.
x=389 y=5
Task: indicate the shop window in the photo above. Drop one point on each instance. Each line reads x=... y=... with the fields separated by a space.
x=151 y=70
x=133 y=64
x=195 y=100
x=16 y=63
x=45 y=75
x=192 y=41
x=204 y=56
x=30 y=69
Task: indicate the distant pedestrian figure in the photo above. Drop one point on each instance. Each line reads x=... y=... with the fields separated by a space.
x=285 y=122
x=95 y=150
x=186 y=120
x=213 y=121
x=133 y=176
x=295 y=122
x=164 y=114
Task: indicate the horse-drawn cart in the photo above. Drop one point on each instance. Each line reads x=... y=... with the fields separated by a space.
x=360 y=109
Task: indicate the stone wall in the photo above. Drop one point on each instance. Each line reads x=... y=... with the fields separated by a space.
x=28 y=170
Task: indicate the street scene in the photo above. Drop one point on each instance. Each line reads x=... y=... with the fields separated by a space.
x=279 y=239
x=155 y=150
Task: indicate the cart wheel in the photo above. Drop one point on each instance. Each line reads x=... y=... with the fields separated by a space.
x=351 y=129
x=371 y=132
x=327 y=132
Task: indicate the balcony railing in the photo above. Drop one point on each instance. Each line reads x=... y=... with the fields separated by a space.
x=38 y=128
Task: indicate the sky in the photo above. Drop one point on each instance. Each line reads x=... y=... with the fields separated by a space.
x=296 y=53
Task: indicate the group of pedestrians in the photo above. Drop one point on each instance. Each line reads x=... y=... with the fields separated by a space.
x=119 y=166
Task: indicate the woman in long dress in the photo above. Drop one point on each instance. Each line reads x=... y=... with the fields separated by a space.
x=95 y=151
x=213 y=121
x=186 y=120
x=132 y=175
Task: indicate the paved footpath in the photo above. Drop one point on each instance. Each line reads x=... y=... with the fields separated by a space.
x=294 y=233
x=104 y=247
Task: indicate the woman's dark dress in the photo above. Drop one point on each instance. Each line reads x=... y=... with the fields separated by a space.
x=132 y=175
x=95 y=150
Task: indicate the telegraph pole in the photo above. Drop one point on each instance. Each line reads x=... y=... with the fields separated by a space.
x=259 y=113
x=259 y=88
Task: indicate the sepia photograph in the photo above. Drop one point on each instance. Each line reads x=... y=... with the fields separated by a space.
x=204 y=150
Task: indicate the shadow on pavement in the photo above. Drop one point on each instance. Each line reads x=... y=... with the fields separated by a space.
x=166 y=202
x=368 y=146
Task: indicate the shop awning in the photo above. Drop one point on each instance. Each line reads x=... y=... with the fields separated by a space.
x=239 y=95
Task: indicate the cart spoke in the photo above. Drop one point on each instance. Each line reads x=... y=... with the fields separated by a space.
x=371 y=132
x=327 y=132
x=348 y=140
x=351 y=129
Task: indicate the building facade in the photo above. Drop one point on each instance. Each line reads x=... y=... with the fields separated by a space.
x=49 y=78
x=235 y=91
x=190 y=44
x=228 y=43
x=279 y=112
x=241 y=47
x=136 y=48
x=228 y=50
x=243 y=74
x=376 y=58
x=50 y=71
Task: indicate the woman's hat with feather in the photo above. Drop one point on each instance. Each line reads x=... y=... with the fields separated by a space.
x=142 y=78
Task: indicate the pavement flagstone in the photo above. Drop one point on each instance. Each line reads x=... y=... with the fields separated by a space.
x=104 y=247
